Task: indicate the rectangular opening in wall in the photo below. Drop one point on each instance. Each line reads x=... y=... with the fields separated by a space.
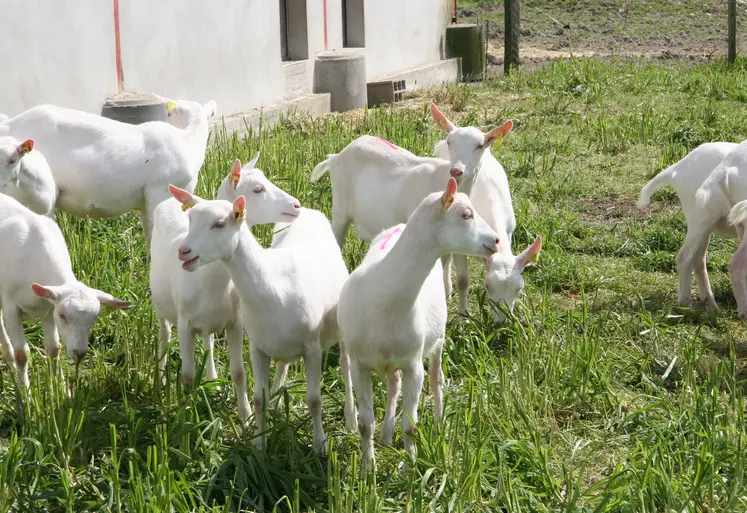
x=294 y=38
x=353 y=27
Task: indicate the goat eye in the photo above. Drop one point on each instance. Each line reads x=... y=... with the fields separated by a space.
x=12 y=161
x=63 y=318
x=480 y=146
x=258 y=189
x=219 y=225
x=467 y=214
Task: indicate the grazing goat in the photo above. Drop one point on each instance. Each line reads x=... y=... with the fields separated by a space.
x=370 y=170
x=288 y=292
x=686 y=177
x=25 y=176
x=491 y=198
x=105 y=168
x=205 y=301
x=722 y=196
x=392 y=309
x=37 y=281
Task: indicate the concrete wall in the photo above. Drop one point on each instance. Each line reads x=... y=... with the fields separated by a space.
x=401 y=34
x=222 y=50
x=63 y=52
x=54 y=51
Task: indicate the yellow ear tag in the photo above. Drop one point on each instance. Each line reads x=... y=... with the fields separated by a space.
x=240 y=215
x=170 y=105
x=533 y=258
x=498 y=141
x=447 y=200
x=234 y=180
x=27 y=147
x=186 y=206
x=443 y=125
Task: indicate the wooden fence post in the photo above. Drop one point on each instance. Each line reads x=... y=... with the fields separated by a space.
x=732 y=51
x=511 y=44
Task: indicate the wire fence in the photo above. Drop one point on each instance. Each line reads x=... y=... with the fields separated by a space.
x=659 y=29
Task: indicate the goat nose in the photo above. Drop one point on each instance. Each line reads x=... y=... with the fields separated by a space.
x=456 y=172
x=497 y=241
x=296 y=204
x=497 y=324
x=78 y=355
x=184 y=251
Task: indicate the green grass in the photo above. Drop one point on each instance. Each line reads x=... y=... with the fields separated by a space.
x=598 y=395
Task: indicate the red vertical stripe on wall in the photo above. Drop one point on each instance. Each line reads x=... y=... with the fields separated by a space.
x=324 y=7
x=118 y=48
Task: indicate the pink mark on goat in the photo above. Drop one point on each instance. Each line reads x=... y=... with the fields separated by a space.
x=387 y=143
x=389 y=236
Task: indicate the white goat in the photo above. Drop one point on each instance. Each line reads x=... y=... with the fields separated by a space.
x=289 y=292
x=34 y=253
x=105 y=168
x=491 y=198
x=206 y=301
x=723 y=195
x=25 y=176
x=686 y=176
x=370 y=170
x=392 y=310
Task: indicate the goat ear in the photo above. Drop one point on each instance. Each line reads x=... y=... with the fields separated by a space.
x=161 y=98
x=235 y=175
x=252 y=163
x=210 y=108
x=448 y=198
x=26 y=147
x=109 y=302
x=48 y=293
x=530 y=256
x=186 y=198
x=497 y=134
x=239 y=208
x=443 y=123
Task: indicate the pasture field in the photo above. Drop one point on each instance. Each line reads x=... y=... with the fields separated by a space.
x=599 y=394
x=662 y=29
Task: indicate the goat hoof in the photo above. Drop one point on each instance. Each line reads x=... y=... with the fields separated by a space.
x=351 y=421
x=320 y=446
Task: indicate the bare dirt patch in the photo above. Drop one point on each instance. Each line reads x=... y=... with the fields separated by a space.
x=618 y=208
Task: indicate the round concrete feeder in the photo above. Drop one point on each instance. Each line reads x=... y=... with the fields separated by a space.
x=134 y=108
x=467 y=40
x=342 y=74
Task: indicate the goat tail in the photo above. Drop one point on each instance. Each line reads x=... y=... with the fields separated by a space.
x=738 y=213
x=321 y=168
x=654 y=185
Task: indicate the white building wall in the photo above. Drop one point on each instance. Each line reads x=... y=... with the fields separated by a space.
x=59 y=52
x=222 y=50
x=402 y=34
x=63 y=52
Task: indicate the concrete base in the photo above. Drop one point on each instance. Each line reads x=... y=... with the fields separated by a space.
x=314 y=104
x=134 y=108
x=447 y=71
x=342 y=73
